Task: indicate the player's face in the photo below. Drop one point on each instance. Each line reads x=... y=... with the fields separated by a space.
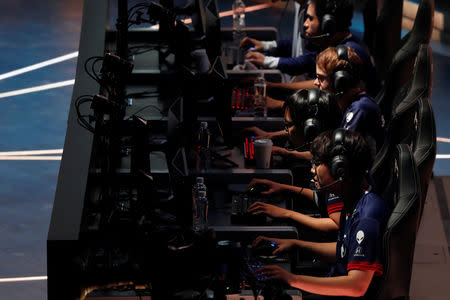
x=311 y=24
x=295 y=136
x=322 y=175
x=322 y=81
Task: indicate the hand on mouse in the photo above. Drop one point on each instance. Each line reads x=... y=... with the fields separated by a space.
x=247 y=43
x=270 y=187
x=283 y=244
x=268 y=209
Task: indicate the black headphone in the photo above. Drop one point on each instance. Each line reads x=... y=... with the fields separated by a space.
x=339 y=165
x=328 y=23
x=312 y=126
x=342 y=77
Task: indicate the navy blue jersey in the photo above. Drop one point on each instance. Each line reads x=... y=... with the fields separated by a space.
x=299 y=65
x=364 y=116
x=359 y=244
x=369 y=74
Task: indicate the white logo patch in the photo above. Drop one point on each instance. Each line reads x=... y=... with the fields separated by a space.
x=360 y=236
x=342 y=251
x=349 y=117
x=359 y=252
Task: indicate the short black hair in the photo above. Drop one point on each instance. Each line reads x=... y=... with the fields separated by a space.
x=327 y=111
x=342 y=10
x=355 y=148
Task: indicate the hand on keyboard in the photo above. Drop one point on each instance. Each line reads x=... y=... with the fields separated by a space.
x=274 y=272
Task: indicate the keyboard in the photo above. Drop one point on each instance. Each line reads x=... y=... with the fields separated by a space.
x=241 y=100
x=252 y=274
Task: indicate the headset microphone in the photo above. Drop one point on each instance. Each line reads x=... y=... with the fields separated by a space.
x=325 y=187
x=314 y=36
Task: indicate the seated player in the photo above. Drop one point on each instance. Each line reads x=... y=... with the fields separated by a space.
x=338 y=71
x=340 y=161
x=308 y=113
x=326 y=23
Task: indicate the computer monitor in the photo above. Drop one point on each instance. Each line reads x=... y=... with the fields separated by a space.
x=206 y=22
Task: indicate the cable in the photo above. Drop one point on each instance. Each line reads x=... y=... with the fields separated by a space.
x=136 y=6
x=86 y=69
x=144 y=108
x=145 y=48
x=142 y=94
x=301 y=147
x=81 y=119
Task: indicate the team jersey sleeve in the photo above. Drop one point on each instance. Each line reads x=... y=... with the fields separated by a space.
x=334 y=204
x=354 y=120
x=302 y=64
x=364 y=249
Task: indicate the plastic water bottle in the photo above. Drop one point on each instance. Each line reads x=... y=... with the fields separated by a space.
x=198 y=187
x=237 y=54
x=204 y=138
x=200 y=212
x=238 y=15
x=260 y=104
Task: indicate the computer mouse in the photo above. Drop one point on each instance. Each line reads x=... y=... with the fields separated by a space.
x=264 y=248
x=258 y=188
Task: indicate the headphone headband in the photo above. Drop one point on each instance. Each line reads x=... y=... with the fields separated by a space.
x=339 y=163
x=342 y=77
x=312 y=126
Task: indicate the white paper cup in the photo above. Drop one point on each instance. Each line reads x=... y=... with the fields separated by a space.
x=263 y=152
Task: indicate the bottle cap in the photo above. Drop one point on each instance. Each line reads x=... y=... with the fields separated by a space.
x=200 y=180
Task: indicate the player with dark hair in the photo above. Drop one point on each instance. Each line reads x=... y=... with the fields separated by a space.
x=308 y=113
x=326 y=23
x=340 y=161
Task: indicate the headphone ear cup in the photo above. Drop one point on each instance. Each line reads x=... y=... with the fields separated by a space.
x=339 y=167
x=311 y=128
x=341 y=81
x=328 y=25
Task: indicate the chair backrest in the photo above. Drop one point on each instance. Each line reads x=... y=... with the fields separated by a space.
x=401 y=69
x=421 y=83
x=413 y=120
x=387 y=34
x=424 y=146
x=400 y=234
x=403 y=116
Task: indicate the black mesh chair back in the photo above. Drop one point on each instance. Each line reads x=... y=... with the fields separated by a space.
x=387 y=35
x=401 y=68
x=420 y=86
x=424 y=146
x=400 y=234
x=403 y=116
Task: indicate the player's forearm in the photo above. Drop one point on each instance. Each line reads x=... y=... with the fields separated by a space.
x=304 y=155
x=321 y=224
x=278 y=134
x=325 y=250
x=293 y=86
x=353 y=285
